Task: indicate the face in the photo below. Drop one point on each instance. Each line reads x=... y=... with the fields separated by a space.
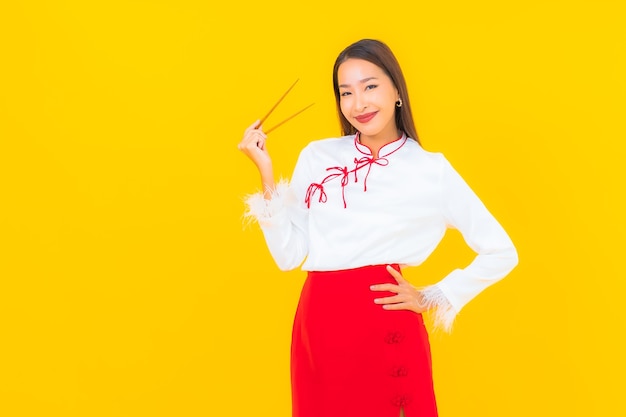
x=368 y=99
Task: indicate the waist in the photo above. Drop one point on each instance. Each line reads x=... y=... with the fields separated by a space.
x=363 y=271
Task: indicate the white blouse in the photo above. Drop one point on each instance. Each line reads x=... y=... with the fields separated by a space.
x=344 y=209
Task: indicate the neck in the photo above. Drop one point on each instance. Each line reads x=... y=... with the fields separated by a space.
x=376 y=142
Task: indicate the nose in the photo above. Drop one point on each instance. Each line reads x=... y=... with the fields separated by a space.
x=359 y=102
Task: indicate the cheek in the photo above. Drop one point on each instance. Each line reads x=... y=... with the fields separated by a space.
x=345 y=108
x=384 y=99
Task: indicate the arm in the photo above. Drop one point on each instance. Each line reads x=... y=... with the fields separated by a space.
x=496 y=254
x=276 y=208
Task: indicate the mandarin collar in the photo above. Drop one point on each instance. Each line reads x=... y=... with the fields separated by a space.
x=385 y=150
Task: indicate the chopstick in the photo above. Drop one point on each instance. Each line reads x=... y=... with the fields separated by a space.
x=288 y=118
x=276 y=105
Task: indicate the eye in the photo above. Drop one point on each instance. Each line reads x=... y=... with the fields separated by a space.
x=345 y=93
x=371 y=87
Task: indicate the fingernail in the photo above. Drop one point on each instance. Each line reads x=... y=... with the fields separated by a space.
x=372 y=287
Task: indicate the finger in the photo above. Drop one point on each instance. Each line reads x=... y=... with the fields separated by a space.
x=398 y=306
x=397 y=275
x=253 y=146
x=253 y=133
x=385 y=287
x=253 y=126
x=394 y=299
x=249 y=146
x=253 y=138
x=261 y=144
x=259 y=133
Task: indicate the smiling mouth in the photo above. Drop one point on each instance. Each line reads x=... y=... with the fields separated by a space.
x=364 y=118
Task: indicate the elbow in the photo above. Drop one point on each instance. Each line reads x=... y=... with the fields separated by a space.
x=512 y=258
x=291 y=255
x=502 y=262
x=286 y=262
x=288 y=266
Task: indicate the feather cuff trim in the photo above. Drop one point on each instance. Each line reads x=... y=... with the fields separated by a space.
x=443 y=313
x=261 y=210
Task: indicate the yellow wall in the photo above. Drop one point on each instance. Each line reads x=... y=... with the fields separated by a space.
x=128 y=286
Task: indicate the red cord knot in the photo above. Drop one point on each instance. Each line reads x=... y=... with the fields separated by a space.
x=338 y=172
x=393 y=338
x=367 y=161
x=399 y=371
x=401 y=400
x=310 y=192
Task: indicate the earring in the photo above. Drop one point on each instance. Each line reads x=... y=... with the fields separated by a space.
x=399 y=103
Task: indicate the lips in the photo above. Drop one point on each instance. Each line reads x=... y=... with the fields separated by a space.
x=364 y=118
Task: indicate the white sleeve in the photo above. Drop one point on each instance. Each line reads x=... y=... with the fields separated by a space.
x=284 y=218
x=496 y=256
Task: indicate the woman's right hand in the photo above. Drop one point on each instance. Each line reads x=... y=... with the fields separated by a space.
x=254 y=147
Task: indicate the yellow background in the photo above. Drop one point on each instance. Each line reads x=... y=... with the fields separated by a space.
x=128 y=284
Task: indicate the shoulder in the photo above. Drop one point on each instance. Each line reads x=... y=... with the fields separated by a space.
x=326 y=145
x=331 y=143
x=437 y=159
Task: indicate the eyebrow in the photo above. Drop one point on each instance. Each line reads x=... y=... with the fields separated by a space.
x=364 y=80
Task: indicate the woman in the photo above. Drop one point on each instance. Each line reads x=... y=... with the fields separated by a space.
x=357 y=207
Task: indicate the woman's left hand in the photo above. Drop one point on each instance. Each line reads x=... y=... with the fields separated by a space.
x=407 y=296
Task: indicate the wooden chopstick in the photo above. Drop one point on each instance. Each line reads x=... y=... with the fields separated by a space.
x=288 y=118
x=277 y=103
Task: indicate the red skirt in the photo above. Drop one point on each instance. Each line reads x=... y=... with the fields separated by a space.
x=350 y=357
